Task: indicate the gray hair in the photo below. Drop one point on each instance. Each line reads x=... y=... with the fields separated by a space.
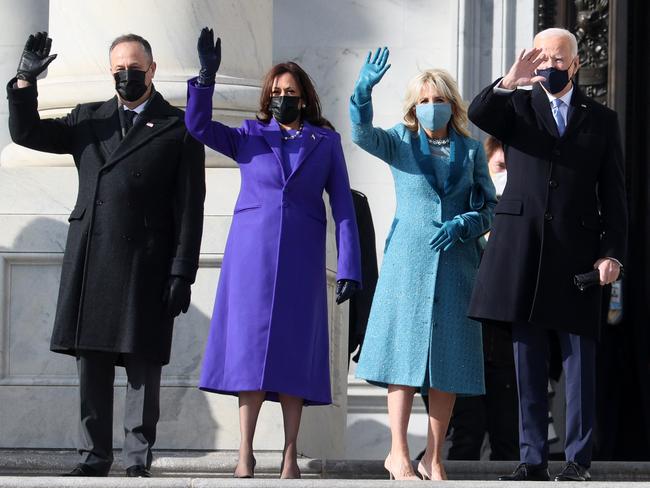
x=557 y=32
x=133 y=38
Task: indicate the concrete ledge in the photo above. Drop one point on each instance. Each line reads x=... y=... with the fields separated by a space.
x=199 y=466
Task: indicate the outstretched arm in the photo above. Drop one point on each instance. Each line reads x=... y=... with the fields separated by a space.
x=376 y=141
x=198 y=116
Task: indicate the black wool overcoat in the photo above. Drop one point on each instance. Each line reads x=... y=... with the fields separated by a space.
x=137 y=221
x=563 y=208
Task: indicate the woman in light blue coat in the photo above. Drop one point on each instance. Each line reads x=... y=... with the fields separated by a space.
x=419 y=336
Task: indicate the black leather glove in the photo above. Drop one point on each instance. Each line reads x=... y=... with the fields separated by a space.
x=209 y=57
x=586 y=280
x=345 y=289
x=35 y=58
x=177 y=296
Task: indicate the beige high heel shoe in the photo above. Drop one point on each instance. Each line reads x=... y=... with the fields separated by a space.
x=426 y=475
x=391 y=475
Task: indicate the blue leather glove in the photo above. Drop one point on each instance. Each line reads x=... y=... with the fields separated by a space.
x=209 y=57
x=447 y=235
x=371 y=73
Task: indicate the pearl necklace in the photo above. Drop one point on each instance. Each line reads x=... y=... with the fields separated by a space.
x=439 y=142
x=294 y=136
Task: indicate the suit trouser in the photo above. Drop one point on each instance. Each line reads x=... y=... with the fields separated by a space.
x=531 y=361
x=495 y=412
x=141 y=409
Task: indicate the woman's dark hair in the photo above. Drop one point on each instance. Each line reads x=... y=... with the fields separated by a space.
x=312 y=111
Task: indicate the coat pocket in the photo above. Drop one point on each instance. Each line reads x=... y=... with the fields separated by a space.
x=157 y=222
x=246 y=206
x=509 y=207
x=476 y=197
x=77 y=213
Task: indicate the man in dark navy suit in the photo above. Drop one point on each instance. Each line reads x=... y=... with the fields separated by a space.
x=562 y=213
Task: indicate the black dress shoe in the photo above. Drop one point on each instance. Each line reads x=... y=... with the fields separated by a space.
x=527 y=472
x=137 y=471
x=573 y=472
x=85 y=470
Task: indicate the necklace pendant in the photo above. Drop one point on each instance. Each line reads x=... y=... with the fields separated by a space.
x=439 y=142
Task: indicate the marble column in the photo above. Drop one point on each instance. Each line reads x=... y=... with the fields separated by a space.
x=37 y=191
x=27 y=16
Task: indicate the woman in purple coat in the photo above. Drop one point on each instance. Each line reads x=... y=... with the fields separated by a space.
x=269 y=333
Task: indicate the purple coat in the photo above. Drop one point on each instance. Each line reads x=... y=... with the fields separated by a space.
x=269 y=326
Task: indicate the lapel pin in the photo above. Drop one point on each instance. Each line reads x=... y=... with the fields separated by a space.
x=313 y=137
x=149 y=124
x=583 y=105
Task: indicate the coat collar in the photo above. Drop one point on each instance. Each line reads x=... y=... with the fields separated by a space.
x=153 y=120
x=457 y=154
x=273 y=136
x=577 y=112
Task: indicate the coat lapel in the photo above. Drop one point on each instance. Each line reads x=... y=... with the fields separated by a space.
x=542 y=107
x=107 y=128
x=422 y=156
x=151 y=122
x=273 y=137
x=457 y=154
x=310 y=139
x=577 y=112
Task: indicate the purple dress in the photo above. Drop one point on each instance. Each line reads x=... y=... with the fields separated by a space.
x=269 y=327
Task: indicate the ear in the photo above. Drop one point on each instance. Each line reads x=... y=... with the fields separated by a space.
x=577 y=65
x=153 y=68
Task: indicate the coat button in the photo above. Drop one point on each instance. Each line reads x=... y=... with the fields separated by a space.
x=99 y=202
x=548 y=216
x=285 y=204
x=553 y=184
x=137 y=174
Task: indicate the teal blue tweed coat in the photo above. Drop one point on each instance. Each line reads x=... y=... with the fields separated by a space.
x=418 y=332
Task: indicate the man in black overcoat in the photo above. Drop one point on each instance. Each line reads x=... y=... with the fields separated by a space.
x=562 y=213
x=133 y=243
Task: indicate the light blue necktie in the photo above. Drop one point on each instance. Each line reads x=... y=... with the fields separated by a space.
x=557 y=115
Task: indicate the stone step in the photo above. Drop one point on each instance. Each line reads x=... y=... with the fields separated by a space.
x=50 y=482
x=177 y=467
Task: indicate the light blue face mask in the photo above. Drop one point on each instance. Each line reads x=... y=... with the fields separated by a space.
x=433 y=116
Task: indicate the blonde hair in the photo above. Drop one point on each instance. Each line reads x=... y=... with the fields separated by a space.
x=446 y=87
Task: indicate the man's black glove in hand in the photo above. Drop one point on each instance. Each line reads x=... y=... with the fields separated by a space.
x=345 y=289
x=35 y=58
x=209 y=57
x=177 y=296
x=586 y=280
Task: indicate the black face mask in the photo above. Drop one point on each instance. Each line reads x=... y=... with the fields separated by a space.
x=556 y=79
x=285 y=109
x=129 y=83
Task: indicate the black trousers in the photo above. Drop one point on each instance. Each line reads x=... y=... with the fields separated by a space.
x=141 y=410
x=496 y=413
